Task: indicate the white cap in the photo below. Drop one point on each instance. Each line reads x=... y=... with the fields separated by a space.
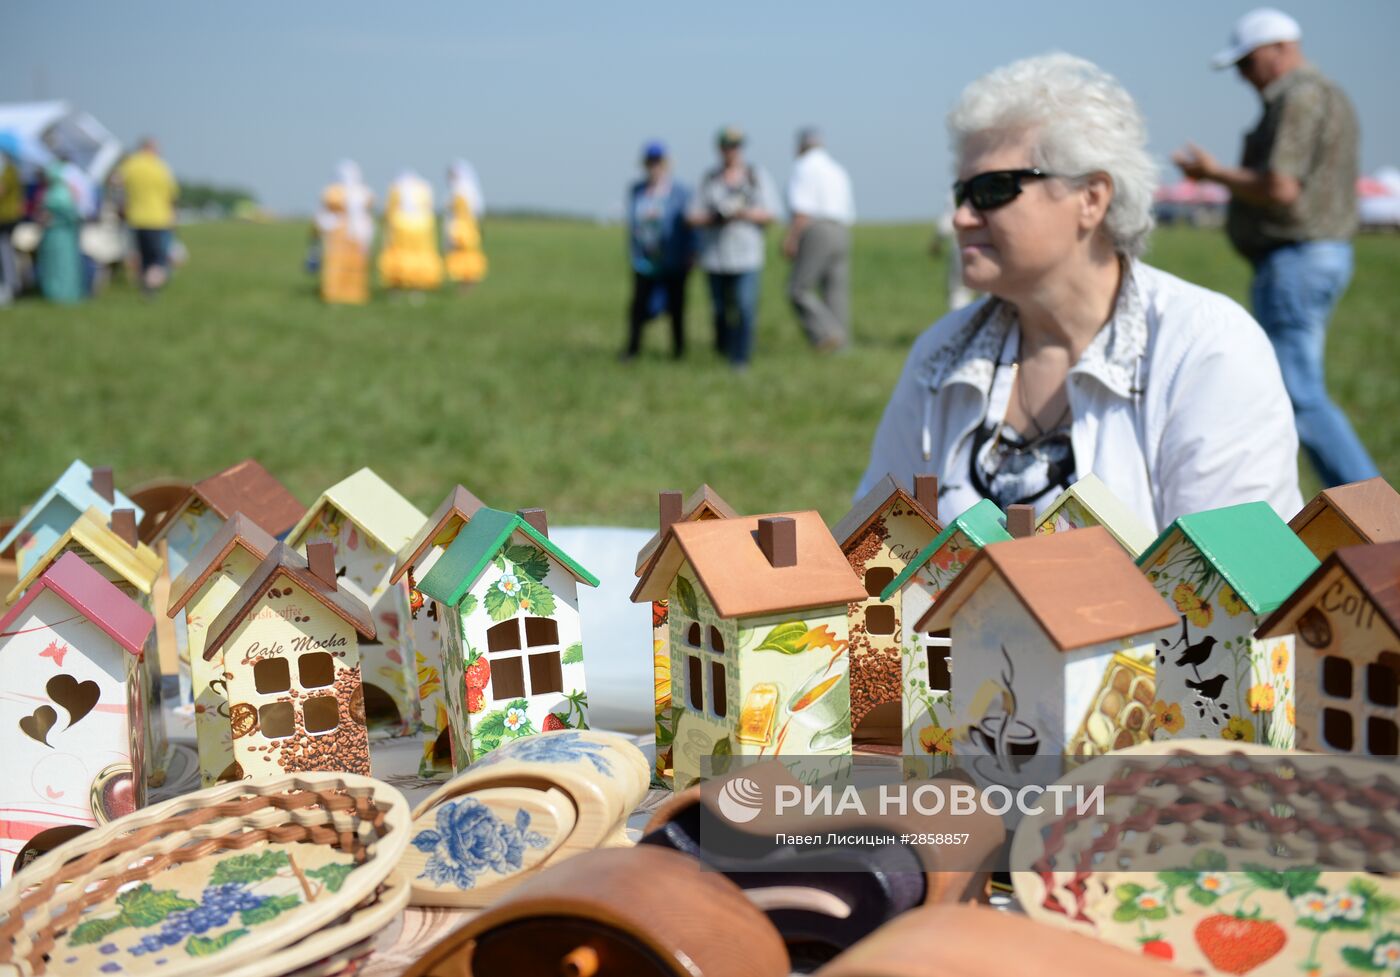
x=1255 y=29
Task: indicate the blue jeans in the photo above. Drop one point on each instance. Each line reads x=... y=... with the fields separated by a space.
x=1294 y=291
x=734 y=298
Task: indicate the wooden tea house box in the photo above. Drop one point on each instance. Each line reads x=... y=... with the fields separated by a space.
x=425 y=631
x=704 y=503
x=1036 y=623
x=1088 y=502
x=1349 y=515
x=185 y=529
x=884 y=531
x=368 y=523
x=210 y=581
x=1223 y=571
x=290 y=643
x=758 y=637
x=509 y=596
x=78 y=489
x=925 y=657
x=1346 y=619
x=70 y=710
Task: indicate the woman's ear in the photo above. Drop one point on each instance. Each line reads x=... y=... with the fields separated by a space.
x=1095 y=196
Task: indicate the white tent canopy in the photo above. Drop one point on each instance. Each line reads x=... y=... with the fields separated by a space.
x=49 y=130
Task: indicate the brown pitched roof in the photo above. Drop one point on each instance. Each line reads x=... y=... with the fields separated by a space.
x=871 y=504
x=738 y=578
x=238 y=531
x=1374 y=566
x=704 y=503
x=1372 y=508
x=1081 y=587
x=456 y=511
x=246 y=487
x=284 y=561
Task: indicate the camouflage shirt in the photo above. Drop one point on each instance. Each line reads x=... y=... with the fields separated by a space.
x=1308 y=131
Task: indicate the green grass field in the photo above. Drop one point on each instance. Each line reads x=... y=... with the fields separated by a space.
x=514 y=389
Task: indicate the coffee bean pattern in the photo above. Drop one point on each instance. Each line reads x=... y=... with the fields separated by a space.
x=345 y=749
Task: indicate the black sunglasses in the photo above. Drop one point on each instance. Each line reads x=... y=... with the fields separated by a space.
x=995 y=188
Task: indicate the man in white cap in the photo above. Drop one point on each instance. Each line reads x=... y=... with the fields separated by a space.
x=1292 y=214
x=818 y=243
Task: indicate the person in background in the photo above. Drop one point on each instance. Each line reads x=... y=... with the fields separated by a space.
x=465 y=261
x=735 y=202
x=1081 y=358
x=150 y=191
x=822 y=210
x=60 y=269
x=1292 y=213
x=11 y=213
x=346 y=228
x=410 y=261
x=87 y=200
x=661 y=245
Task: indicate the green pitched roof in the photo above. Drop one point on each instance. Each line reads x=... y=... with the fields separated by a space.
x=477 y=545
x=982 y=524
x=1248 y=545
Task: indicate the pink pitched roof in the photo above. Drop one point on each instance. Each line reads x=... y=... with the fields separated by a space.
x=90 y=594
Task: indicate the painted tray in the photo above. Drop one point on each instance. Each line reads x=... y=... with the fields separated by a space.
x=1260 y=869
x=531 y=802
x=206 y=883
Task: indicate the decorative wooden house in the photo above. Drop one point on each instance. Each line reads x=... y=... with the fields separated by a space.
x=425 y=632
x=924 y=657
x=1348 y=515
x=1088 y=502
x=1224 y=570
x=705 y=503
x=886 y=529
x=368 y=523
x=514 y=646
x=218 y=571
x=290 y=643
x=186 y=527
x=1036 y=623
x=1346 y=619
x=78 y=489
x=70 y=710
x=758 y=637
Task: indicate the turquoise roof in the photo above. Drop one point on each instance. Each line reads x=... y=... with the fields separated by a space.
x=1250 y=546
x=477 y=545
x=74 y=485
x=983 y=523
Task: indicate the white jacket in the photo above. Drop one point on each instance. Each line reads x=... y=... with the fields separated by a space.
x=1187 y=415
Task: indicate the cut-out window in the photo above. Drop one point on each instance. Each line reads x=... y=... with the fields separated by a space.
x=316 y=670
x=546 y=673
x=879 y=619
x=716 y=640
x=541 y=631
x=504 y=636
x=717 y=691
x=1336 y=677
x=692 y=635
x=507 y=678
x=877 y=579
x=1383 y=680
x=1382 y=737
x=272 y=675
x=694 y=687
x=940 y=649
x=1337 y=730
x=321 y=714
x=277 y=720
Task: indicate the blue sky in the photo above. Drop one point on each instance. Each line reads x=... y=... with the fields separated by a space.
x=551 y=100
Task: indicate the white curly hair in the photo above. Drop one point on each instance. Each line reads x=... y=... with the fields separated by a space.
x=1081 y=121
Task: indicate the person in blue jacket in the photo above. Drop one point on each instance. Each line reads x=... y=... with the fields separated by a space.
x=662 y=250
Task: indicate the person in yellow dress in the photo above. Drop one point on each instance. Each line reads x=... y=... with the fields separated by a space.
x=346 y=227
x=466 y=262
x=410 y=259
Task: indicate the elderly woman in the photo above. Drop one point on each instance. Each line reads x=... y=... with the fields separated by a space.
x=1081 y=358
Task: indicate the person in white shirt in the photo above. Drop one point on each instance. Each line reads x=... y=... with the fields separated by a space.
x=818 y=242
x=1081 y=358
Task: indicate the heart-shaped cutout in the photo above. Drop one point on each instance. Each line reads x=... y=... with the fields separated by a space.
x=76 y=697
x=37 y=726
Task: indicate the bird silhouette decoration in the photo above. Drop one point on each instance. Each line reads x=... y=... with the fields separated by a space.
x=1195 y=655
